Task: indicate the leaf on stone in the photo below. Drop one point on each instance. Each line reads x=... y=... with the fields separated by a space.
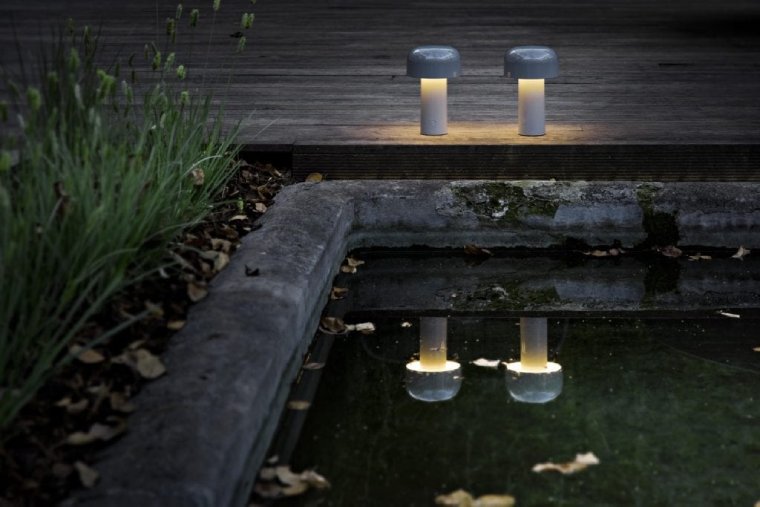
x=175 y=325
x=486 y=363
x=314 y=177
x=298 y=405
x=88 y=476
x=86 y=356
x=196 y=291
x=700 y=257
x=148 y=365
x=581 y=462
x=332 y=325
x=313 y=366
x=729 y=315
x=338 y=293
x=476 y=251
x=353 y=262
x=671 y=251
x=198 y=177
x=741 y=253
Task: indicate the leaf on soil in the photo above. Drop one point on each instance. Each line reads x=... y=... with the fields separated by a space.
x=338 y=293
x=221 y=261
x=461 y=498
x=96 y=432
x=729 y=315
x=78 y=407
x=581 y=462
x=86 y=356
x=477 y=251
x=196 y=291
x=221 y=245
x=313 y=366
x=260 y=207
x=741 y=253
x=332 y=325
x=148 y=365
x=298 y=405
x=405 y=324
x=198 y=177
x=671 y=251
x=314 y=177
x=700 y=257
x=486 y=363
x=120 y=403
x=87 y=476
x=62 y=470
x=154 y=309
x=238 y=217
x=175 y=325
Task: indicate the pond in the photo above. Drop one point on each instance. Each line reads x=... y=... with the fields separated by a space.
x=665 y=400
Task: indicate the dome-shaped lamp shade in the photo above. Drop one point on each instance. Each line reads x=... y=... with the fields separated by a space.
x=531 y=62
x=433 y=62
x=532 y=386
x=432 y=386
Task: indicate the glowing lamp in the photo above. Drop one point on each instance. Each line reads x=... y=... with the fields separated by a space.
x=531 y=65
x=433 y=378
x=433 y=65
x=534 y=379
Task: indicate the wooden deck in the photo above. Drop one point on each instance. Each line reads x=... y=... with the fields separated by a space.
x=649 y=89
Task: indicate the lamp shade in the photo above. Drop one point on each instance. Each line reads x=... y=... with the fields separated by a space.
x=433 y=62
x=531 y=62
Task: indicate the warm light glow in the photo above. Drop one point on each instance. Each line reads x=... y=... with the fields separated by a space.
x=533 y=343
x=518 y=367
x=530 y=107
x=446 y=366
x=433 y=333
x=434 y=107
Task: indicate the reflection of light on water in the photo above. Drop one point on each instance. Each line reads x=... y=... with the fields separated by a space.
x=433 y=377
x=534 y=379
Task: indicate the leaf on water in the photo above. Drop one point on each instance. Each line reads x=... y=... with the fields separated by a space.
x=348 y=269
x=756 y=349
x=495 y=501
x=461 y=498
x=313 y=366
x=581 y=462
x=477 y=251
x=196 y=292
x=268 y=473
x=353 y=262
x=221 y=261
x=175 y=325
x=741 y=253
x=148 y=365
x=261 y=207
x=405 y=324
x=120 y=403
x=729 y=315
x=314 y=177
x=268 y=490
x=700 y=257
x=362 y=327
x=332 y=325
x=298 y=405
x=338 y=293
x=486 y=363
x=286 y=476
x=198 y=177
x=88 y=476
x=86 y=356
x=597 y=253
x=670 y=251
x=314 y=479
x=271 y=460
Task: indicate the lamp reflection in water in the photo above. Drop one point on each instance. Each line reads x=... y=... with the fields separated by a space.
x=534 y=379
x=433 y=378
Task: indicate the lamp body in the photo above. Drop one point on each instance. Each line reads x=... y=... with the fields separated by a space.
x=433 y=334
x=533 y=342
x=531 y=112
x=434 y=107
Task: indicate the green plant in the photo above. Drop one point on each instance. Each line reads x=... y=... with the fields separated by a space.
x=101 y=188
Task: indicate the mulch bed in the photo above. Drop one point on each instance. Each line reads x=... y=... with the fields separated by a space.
x=86 y=406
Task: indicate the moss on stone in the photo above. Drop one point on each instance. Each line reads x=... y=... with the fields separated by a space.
x=509 y=295
x=661 y=227
x=501 y=202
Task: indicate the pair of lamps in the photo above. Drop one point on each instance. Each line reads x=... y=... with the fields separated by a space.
x=532 y=379
x=530 y=65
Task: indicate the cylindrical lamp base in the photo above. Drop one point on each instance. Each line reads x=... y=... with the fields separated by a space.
x=531 y=115
x=434 y=113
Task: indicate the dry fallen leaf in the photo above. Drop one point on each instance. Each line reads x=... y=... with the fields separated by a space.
x=353 y=262
x=120 y=403
x=700 y=257
x=148 y=365
x=406 y=324
x=96 y=432
x=198 y=177
x=313 y=366
x=362 y=327
x=495 y=501
x=239 y=217
x=86 y=356
x=251 y=272
x=729 y=315
x=314 y=177
x=268 y=489
x=597 y=253
x=338 y=293
x=581 y=462
x=756 y=349
x=268 y=473
x=175 y=325
x=298 y=405
x=671 y=251
x=260 y=207
x=332 y=325
x=486 y=363
x=461 y=498
x=347 y=269
x=87 y=476
x=477 y=251
x=196 y=291
x=221 y=261
x=741 y=253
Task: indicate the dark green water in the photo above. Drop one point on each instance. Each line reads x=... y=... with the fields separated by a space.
x=670 y=407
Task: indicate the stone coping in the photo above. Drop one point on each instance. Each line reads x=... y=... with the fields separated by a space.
x=203 y=429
